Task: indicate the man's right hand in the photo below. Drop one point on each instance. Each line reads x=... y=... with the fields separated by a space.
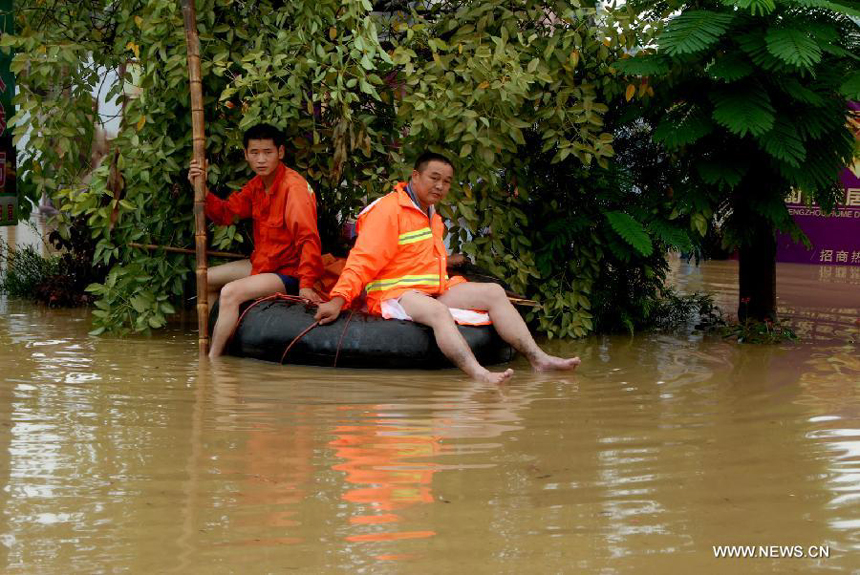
x=327 y=312
x=195 y=171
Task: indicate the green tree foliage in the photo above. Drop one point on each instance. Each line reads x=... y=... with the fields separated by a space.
x=555 y=193
x=751 y=103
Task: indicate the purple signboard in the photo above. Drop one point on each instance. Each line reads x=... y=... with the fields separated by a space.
x=836 y=237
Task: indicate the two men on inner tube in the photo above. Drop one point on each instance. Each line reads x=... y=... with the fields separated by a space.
x=399 y=258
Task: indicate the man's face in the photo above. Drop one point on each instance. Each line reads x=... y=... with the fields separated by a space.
x=432 y=184
x=263 y=156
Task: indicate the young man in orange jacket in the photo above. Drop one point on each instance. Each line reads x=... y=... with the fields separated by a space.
x=287 y=251
x=401 y=260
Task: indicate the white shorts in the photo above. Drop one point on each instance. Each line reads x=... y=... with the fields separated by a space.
x=391 y=309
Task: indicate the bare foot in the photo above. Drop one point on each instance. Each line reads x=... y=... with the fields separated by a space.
x=494 y=377
x=553 y=363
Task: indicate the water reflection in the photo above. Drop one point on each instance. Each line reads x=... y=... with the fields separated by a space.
x=388 y=452
x=377 y=461
x=829 y=383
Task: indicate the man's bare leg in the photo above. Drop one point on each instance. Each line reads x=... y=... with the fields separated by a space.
x=233 y=295
x=219 y=276
x=424 y=309
x=507 y=321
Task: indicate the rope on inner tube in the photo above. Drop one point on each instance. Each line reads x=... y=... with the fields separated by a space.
x=295 y=299
x=343 y=333
x=297 y=338
x=256 y=302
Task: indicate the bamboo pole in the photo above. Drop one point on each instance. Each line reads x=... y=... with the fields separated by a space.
x=192 y=42
x=153 y=247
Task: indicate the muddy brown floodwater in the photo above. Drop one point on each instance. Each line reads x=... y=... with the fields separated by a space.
x=129 y=455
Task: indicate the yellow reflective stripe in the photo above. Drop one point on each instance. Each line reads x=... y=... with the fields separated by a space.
x=426 y=236
x=415 y=236
x=414 y=233
x=402 y=281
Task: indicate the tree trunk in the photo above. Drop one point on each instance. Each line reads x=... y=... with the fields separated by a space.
x=757 y=271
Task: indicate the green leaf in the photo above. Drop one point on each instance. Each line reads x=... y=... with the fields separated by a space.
x=730 y=67
x=700 y=224
x=644 y=65
x=694 y=31
x=850 y=88
x=722 y=172
x=671 y=235
x=815 y=123
x=631 y=231
x=139 y=303
x=466 y=212
x=793 y=46
x=783 y=142
x=743 y=110
x=681 y=126
x=619 y=248
x=823 y=163
x=799 y=92
x=754 y=45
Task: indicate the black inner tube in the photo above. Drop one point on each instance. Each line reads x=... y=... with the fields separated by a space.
x=356 y=339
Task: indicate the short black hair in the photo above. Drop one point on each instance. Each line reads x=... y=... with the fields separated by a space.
x=428 y=157
x=263 y=132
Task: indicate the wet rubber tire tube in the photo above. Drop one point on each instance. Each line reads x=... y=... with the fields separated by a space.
x=365 y=341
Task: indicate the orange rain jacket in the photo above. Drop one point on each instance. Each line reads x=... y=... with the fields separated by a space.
x=286 y=239
x=398 y=249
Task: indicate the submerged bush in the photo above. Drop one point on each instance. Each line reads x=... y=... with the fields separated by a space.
x=675 y=311
x=754 y=331
x=59 y=279
x=25 y=270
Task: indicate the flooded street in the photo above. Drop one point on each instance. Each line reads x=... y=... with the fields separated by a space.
x=129 y=455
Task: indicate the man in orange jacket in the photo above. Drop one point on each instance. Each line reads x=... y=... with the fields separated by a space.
x=286 y=256
x=400 y=259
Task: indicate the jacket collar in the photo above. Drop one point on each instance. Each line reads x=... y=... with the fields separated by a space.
x=408 y=200
x=257 y=181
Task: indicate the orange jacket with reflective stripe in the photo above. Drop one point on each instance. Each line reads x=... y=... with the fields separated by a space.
x=286 y=239
x=398 y=249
